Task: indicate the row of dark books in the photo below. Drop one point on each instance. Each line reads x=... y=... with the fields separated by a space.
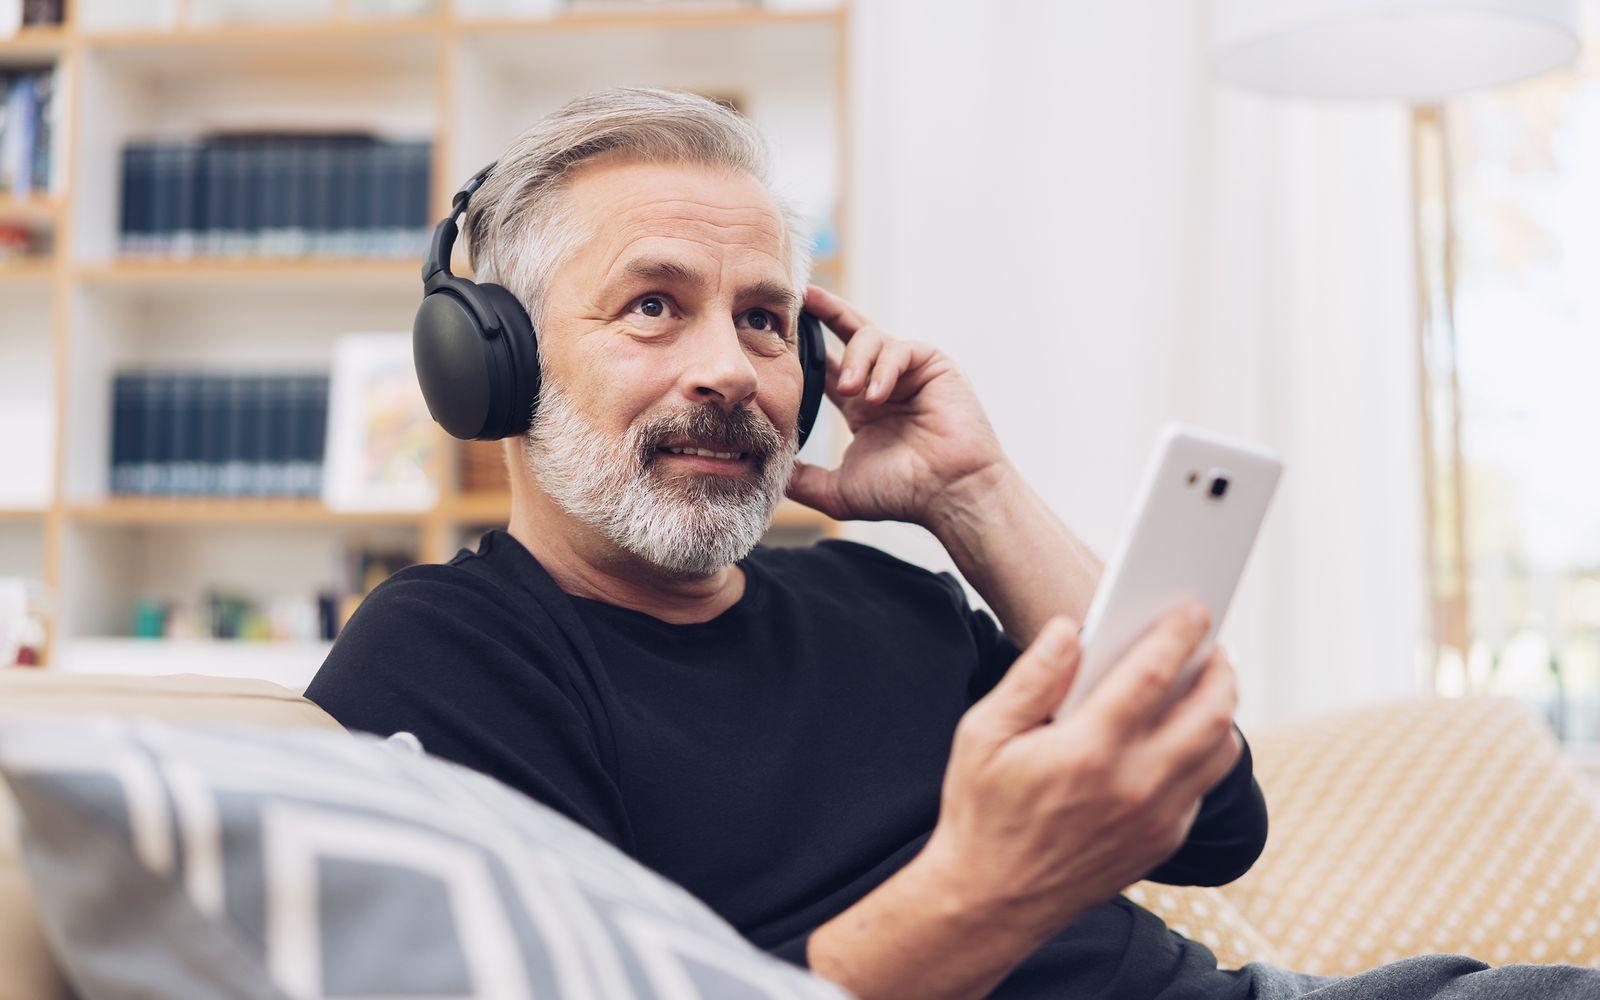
x=27 y=111
x=208 y=434
x=278 y=195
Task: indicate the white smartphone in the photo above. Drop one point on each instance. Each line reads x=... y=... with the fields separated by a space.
x=1199 y=508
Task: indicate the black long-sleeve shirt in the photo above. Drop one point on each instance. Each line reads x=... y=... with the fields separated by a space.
x=778 y=761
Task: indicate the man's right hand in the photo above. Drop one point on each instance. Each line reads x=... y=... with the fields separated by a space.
x=1040 y=819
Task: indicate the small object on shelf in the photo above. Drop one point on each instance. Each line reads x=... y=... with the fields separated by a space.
x=149 y=619
x=21 y=621
x=38 y=13
x=27 y=112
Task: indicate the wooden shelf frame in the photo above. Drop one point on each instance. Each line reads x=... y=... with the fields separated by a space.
x=69 y=270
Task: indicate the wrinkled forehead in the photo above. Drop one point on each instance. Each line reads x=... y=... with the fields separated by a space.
x=717 y=217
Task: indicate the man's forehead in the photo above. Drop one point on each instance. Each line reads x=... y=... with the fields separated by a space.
x=625 y=204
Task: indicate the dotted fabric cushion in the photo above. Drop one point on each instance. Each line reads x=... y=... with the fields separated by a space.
x=1423 y=826
x=1209 y=917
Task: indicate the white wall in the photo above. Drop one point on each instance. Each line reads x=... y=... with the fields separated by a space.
x=1058 y=196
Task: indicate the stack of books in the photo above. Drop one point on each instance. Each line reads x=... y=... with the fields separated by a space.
x=207 y=434
x=27 y=112
x=276 y=195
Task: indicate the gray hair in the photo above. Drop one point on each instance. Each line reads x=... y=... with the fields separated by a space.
x=520 y=230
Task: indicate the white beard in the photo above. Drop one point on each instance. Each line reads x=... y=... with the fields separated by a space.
x=689 y=525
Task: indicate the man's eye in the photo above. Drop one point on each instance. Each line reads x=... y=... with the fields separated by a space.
x=651 y=306
x=761 y=319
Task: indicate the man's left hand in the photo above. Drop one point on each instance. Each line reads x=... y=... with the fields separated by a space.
x=922 y=443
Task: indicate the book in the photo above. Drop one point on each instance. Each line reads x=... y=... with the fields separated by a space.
x=381 y=440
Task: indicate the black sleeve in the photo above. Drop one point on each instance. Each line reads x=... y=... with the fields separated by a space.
x=793 y=951
x=1228 y=835
x=438 y=658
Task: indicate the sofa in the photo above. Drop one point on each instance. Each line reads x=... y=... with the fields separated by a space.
x=1426 y=825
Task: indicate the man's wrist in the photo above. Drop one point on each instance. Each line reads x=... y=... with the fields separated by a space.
x=934 y=929
x=961 y=507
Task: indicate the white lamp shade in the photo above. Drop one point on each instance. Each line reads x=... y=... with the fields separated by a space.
x=1413 y=50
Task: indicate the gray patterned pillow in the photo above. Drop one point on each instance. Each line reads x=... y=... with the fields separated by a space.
x=174 y=862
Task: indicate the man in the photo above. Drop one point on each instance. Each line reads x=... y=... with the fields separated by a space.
x=827 y=745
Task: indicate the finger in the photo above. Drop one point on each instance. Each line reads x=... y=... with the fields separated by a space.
x=1193 y=785
x=1137 y=685
x=840 y=316
x=1201 y=722
x=834 y=363
x=890 y=364
x=1034 y=685
x=860 y=354
x=817 y=488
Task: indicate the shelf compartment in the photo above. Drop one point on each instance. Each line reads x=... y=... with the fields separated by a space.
x=35 y=210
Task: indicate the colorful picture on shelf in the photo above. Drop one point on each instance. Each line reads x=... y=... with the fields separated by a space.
x=381 y=441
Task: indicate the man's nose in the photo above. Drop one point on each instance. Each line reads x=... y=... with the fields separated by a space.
x=718 y=369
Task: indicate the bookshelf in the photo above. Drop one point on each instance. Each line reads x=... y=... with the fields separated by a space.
x=465 y=81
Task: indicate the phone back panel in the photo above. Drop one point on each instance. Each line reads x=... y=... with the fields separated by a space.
x=1183 y=543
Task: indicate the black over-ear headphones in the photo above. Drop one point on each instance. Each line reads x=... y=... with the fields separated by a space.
x=477 y=356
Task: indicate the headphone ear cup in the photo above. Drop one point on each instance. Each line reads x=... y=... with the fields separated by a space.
x=814 y=367
x=477 y=386
x=515 y=366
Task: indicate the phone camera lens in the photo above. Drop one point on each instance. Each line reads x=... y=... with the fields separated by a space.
x=1219 y=486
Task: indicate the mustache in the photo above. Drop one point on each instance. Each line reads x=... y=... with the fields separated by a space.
x=742 y=429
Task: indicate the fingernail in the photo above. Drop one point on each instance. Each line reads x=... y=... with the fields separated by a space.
x=849 y=376
x=1197 y=613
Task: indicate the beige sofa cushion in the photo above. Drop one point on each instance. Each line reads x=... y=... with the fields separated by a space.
x=1430 y=825
x=26 y=970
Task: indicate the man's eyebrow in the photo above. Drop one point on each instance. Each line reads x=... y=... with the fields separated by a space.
x=653 y=269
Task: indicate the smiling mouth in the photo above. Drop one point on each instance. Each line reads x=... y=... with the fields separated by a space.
x=731 y=456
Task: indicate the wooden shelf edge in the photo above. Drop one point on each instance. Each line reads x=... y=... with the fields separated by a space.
x=228 y=510
x=379 y=29
x=34 y=43
x=266 y=33
x=27 y=272
x=22 y=515
x=711 y=15
x=162 y=271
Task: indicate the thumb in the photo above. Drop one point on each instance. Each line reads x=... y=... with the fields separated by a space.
x=817 y=488
x=1032 y=689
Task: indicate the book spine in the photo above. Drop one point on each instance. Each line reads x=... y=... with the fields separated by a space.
x=219 y=198
x=235 y=477
x=161 y=185
x=417 y=228
x=213 y=433
x=128 y=241
x=124 y=446
x=186 y=165
x=261 y=458
x=323 y=163
x=157 y=476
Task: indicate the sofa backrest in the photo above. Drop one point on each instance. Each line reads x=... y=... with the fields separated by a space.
x=27 y=972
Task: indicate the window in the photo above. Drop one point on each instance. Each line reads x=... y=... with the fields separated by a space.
x=1508 y=225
